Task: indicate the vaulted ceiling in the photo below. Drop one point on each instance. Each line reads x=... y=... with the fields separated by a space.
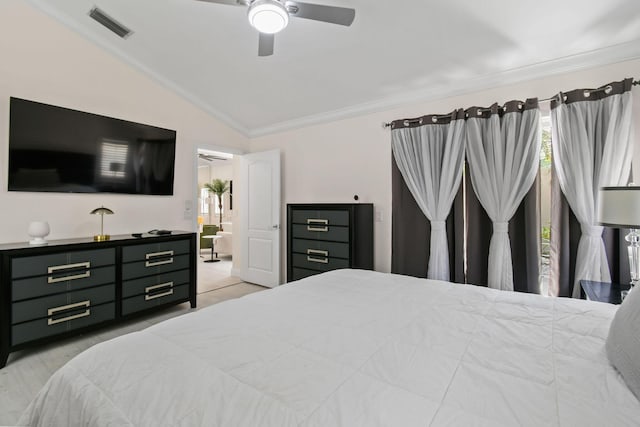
x=394 y=52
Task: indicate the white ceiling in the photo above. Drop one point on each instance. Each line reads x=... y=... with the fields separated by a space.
x=394 y=52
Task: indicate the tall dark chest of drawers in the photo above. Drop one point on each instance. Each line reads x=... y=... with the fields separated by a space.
x=70 y=286
x=323 y=237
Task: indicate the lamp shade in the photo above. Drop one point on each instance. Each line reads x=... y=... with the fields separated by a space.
x=102 y=211
x=619 y=207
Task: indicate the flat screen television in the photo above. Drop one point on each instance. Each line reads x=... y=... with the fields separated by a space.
x=55 y=149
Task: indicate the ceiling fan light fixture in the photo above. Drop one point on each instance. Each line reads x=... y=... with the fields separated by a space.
x=268 y=16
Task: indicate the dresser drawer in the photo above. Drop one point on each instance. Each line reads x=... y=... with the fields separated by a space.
x=39 y=286
x=321 y=248
x=158 y=296
x=325 y=232
x=41 y=328
x=54 y=305
x=301 y=273
x=141 y=286
x=155 y=266
x=320 y=217
x=158 y=250
x=317 y=262
x=59 y=266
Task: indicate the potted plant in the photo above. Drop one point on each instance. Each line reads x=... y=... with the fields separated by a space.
x=218 y=187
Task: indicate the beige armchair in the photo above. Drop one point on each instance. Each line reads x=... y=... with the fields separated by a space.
x=224 y=245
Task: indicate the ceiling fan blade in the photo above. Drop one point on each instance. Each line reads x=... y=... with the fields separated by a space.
x=317 y=12
x=229 y=2
x=265 y=44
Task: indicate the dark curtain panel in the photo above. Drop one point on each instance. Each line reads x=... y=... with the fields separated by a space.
x=411 y=232
x=502 y=148
x=479 y=230
x=592 y=148
x=565 y=235
x=524 y=232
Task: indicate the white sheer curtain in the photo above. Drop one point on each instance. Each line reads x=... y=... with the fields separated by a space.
x=503 y=149
x=430 y=157
x=592 y=147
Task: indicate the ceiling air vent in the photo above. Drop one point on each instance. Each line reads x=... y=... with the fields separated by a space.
x=110 y=23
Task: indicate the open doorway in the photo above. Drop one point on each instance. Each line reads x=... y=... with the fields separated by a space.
x=215 y=210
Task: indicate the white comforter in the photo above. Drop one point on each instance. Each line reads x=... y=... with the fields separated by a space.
x=353 y=348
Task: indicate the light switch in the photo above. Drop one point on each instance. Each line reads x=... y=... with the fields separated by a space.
x=188 y=214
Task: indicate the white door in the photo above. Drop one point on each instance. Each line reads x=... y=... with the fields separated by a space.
x=260 y=218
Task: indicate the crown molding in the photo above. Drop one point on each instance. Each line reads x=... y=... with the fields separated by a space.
x=572 y=63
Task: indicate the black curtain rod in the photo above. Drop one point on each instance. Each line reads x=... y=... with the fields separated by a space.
x=634 y=83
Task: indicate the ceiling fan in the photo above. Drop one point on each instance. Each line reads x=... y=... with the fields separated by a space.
x=272 y=16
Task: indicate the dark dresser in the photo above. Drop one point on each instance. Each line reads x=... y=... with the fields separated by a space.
x=324 y=236
x=70 y=286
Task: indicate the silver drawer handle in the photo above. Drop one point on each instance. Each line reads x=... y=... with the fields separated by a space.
x=321 y=261
x=52 y=311
x=317 y=221
x=148 y=289
x=152 y=263
x=318 y=252
x=55 y=268
x=310 y=228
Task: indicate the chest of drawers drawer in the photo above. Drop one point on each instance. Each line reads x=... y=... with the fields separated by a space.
x=163 y=293
x=300 y=273
x=137 y=269
x=154 y=252
x=314 y=217
x=33 y=287
x=334 y=233
x=60 y=306
x=318 y=262
x=62 y=266
x=75 y=318
x=149 y=284
x=321 y=248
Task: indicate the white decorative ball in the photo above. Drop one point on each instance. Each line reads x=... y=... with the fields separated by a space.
x=38 y=230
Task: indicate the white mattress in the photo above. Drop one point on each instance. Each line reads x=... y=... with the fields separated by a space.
x=353 y=348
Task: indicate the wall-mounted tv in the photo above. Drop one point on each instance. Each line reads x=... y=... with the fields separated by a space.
x=55 y=149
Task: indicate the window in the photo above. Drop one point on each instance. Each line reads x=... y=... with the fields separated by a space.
x=204 y=201
x=545 y=201
x=207 y=198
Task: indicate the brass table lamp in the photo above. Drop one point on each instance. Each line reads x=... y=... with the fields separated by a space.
x=101 y=211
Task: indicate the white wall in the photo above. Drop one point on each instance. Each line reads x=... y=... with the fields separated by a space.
x=43 y=61
x=334 y=161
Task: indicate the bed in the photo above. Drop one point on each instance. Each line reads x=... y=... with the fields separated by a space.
x=353 y=348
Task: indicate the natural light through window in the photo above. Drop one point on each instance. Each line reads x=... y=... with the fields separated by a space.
x=545 y=202
x=204 y=201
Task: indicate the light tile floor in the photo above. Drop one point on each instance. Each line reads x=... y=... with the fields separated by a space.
x=28 y=370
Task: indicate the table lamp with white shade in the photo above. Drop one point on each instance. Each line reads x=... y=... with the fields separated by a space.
x=620 y=208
